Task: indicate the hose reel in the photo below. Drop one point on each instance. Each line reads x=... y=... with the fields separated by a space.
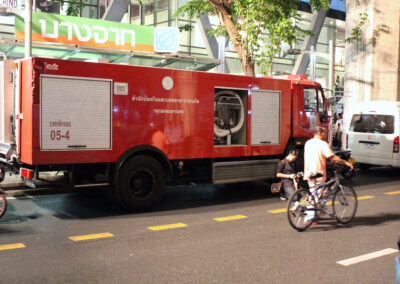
x=228 y=113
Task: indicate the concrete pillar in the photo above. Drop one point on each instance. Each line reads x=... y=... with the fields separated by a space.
x=303 y=60
x=373 y=61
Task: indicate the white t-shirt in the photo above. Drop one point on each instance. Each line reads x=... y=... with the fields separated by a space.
x=316 y=151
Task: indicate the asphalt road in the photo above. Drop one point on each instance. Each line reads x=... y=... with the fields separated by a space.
x=48 y=236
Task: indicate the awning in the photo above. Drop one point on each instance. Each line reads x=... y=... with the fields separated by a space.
x=14 y=49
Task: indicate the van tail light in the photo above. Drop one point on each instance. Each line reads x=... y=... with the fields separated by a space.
x=396 y=144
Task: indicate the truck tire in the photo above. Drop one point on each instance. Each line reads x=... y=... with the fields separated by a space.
x=140 y=182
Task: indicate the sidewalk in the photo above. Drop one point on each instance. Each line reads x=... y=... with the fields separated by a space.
x=16 y=182
x=12 y=181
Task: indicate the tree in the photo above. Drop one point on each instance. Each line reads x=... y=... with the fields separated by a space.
x=74 y=7
x=256 y=28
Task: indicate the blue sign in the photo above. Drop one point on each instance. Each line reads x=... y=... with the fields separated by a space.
x=166 y=39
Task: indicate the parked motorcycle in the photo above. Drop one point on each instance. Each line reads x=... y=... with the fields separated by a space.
x=346 y=172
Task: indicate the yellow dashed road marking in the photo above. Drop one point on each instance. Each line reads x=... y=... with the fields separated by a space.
x=392 y=192
x=365 y=197
x=91 y=237
x=229 y=218
x=275 y=211
x=166 y=227
x=12 y=246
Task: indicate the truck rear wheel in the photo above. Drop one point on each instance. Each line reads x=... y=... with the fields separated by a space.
x=140 y=183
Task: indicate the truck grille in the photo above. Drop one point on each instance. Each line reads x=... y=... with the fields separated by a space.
x=228 y=172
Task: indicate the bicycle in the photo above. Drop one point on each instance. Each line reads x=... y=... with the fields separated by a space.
x=3 y=202
x=304 y=204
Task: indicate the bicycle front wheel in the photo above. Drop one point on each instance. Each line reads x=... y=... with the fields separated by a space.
x=344 y=204
x=300 y=211
x=3 y=204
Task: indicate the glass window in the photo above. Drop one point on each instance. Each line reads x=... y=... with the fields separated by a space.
x=180 y=4
x=162 y=5
x=161 y=11
x=91 y=2
x=172 y=7
x=164 y=24
x=89 y=12
x=162 y=16
x=310 y=99
x=135 y=14
x=102 y=5
x=372 y=123
x=47 y=6
x=321 y=105
x=149 y=14
x=184 y=36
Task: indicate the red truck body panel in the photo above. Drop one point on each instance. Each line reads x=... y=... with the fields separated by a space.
x=179 y=122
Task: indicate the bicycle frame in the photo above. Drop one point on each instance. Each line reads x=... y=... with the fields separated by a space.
x=333 y=186
x=316 y=199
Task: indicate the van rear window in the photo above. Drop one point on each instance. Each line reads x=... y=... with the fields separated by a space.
x=372 y=123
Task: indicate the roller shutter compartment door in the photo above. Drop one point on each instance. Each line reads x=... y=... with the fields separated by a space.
x=75 y=113
x=265 y=117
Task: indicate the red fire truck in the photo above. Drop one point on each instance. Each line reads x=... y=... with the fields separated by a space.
x=140 y=128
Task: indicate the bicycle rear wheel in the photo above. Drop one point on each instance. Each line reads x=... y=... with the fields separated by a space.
x=299 y=214
x=3 y=204
x=344 y=204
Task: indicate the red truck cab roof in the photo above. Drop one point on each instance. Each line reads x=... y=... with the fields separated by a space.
x=297 y=80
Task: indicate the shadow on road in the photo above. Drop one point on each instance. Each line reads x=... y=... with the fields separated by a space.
x=331 y=224
x=13 y=216
x=91 y=203
x=374 y=175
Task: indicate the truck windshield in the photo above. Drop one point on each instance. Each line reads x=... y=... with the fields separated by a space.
x=372 y=123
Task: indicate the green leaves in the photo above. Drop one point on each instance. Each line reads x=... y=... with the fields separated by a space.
x=74 y=7
x=194 y=8
x=257 y=28
x=357 y=30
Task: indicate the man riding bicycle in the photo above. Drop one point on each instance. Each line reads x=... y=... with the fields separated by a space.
x=316 y=152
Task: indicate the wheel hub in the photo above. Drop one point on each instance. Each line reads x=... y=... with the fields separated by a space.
x=141 y=183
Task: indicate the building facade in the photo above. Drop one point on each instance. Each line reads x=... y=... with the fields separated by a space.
x=160 y=13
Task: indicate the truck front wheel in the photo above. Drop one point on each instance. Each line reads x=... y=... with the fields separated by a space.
x=140 y=182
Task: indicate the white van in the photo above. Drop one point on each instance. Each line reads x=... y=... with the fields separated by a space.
x=373 y=135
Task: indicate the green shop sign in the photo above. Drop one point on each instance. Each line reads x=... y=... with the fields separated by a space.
x=98 y=33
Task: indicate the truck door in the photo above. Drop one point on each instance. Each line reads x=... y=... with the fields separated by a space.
x=315 y=108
